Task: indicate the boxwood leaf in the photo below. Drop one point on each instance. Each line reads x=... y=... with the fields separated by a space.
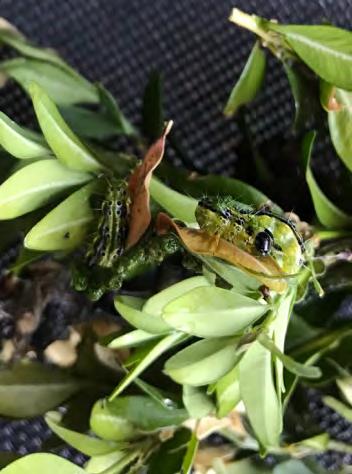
x=65 y=227
x=190 y=455
x=177 y=204
x=193 y=312
x=129 y=308
x=156 y=303
x=31 y=389
x=98 y=464
x=171 y=453
x=345 y=386
x=126 y=417
x=340 y=407
x=42 y=462
x=61 y=139
x=62 y=86
x=84 y=443
x=328 y=214
x=35 y=185
x=340 y=124
x=197 y=402
x=132 y=339
x=203 y=362
x=227 y=391
x=20 y=142
x=325 y=49
x=249 y=82
x=160 y=347
x=259 y=395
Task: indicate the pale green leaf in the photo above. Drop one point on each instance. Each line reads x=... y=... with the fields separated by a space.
x=61 y=139
x=197 y=402
x=84 y=443
x=190 y=455
x=340 y=407
x=132 y=339
x=292 y=466
x=36 y=185
x=193 y=312
x=62 y=86
x=227 y=391
x=345 y=385
x=98 y=464
x=328 y=214
x=203 y=362
x=65 y=227
x=259 y=395
x=340 y=125
x=249 y=83
x=130 y=310
x=20 y=142
x=42 y=463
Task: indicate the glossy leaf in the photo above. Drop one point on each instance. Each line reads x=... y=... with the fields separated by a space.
x=259 y=395
x=31 y=389
x=61 y=139
x=35 y=185
x=193 y=312
x=84 y=443
x=203 y=362
x=249 y=83
x=197 y=402
x=41 y=463
x=325 y=49
x=228 y=392
x=341 y=408
x=130 y=309
x=178 y=205
x=293 y=366
x=98 y=464
x=155 y=304
x=132 y=339
x=20 y=142
x=328 y=214
x=340 y=123
x=65 y=227
x=152 y=109
x=126 y=417
x=63 y=87
x=160 y=347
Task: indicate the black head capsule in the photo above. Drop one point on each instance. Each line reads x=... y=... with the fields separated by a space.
x=263 y=242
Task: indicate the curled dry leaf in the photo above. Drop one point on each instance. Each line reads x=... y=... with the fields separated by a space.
x=199 y=242
x=138 y=186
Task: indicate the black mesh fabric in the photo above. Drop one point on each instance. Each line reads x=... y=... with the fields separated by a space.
x=199 y=53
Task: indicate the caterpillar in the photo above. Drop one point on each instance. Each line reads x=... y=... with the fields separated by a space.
x=108 y=241
x=259 y=232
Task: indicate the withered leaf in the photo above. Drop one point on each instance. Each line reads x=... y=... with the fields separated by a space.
x=138 y=186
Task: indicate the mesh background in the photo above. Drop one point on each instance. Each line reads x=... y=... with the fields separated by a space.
x=199 y=53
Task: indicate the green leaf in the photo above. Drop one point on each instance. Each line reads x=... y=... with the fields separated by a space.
x=341 y=408
x=31 y=389
x=328 y=214
x=193 y=312
x=228 y=392
x=113 y=112
x=325 y=49
x=243 y=466
x=88 y=123
x=293 y=466
x=65 y=227
x=249 y=83
x=160 y=347
x=259 y=396
x=178 y=205
x=293 y=366
x=340 y=123
x=35 y=185
x=190 y=454
x=42 y=463
x=129 y=308
x=62 y=86
x=132 y=339
x=20 y=142
x=152 y=108
x=61 y=139
x=84 y=443
x=203 y=362
x=98 y=464
x=170 y=454
x=126 y=417
x=197 y=402
x=156 y=303
x=345 y=386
